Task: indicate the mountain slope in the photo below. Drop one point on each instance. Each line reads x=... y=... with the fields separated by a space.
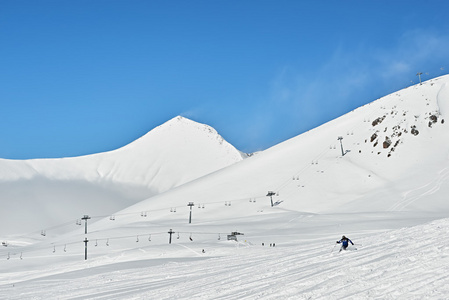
x=59 y=189
x=385 y=200
x=310 y=174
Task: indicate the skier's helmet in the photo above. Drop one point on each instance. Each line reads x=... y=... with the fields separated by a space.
x=343 y=237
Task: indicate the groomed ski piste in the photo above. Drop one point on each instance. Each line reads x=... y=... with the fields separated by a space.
x=407 y=263
x=411 y=262
x=384 y=185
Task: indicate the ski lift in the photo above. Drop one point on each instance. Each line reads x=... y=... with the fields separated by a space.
x=96 y=243
x=137 y=240
x=107 y=242
x=202 y=206
x=112 y=218
x=8 y=256
x=149 y=238
x=177 y=236
x=174 y=210
x=43 y=233
x=54 y=249
x=233 y=236
x=190 y=238
x=65 y=248
x=78 y=222
x=219 y=237
x=21 y=255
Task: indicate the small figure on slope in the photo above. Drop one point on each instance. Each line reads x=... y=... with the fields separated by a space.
x=344 y=243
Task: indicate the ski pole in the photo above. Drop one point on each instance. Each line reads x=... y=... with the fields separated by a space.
x=333 y=248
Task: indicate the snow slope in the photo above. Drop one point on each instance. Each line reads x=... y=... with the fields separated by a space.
x=55 y=190
x=387 y=193
x=397 y=264
x=309 y=173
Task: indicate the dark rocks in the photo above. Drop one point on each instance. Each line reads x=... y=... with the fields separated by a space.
x=387 y=142
x=378 y=121
x=433 y=119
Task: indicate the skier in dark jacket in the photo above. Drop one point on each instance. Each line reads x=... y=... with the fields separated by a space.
x=344 y=243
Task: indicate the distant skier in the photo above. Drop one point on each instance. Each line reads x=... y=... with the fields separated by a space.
x=344 y=243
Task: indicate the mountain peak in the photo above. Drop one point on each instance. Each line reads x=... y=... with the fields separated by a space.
x=179 y=129
x=168 y=156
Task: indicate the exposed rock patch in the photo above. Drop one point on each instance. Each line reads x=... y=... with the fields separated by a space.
x=387 y=142
x=378 y=121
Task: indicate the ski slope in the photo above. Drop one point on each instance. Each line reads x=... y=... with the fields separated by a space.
x=406 y=263
x=385 y=187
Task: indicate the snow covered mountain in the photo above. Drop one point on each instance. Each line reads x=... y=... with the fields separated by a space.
x=393 y=156
x=379 y=174
x=51 y=191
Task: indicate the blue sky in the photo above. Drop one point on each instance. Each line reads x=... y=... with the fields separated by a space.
x=81 y=77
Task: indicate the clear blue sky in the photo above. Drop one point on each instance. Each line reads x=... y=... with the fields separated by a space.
x=81 y=77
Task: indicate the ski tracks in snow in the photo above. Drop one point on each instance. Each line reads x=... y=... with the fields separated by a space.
x=443 y=100
x=409 y=263
x=425 y=190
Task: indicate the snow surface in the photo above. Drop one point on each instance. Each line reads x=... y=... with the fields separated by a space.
x=58 y=190
x=389 y=198
x=408 y=263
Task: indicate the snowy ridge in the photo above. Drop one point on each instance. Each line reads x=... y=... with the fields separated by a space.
x=174 y=141
x=170 y=155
